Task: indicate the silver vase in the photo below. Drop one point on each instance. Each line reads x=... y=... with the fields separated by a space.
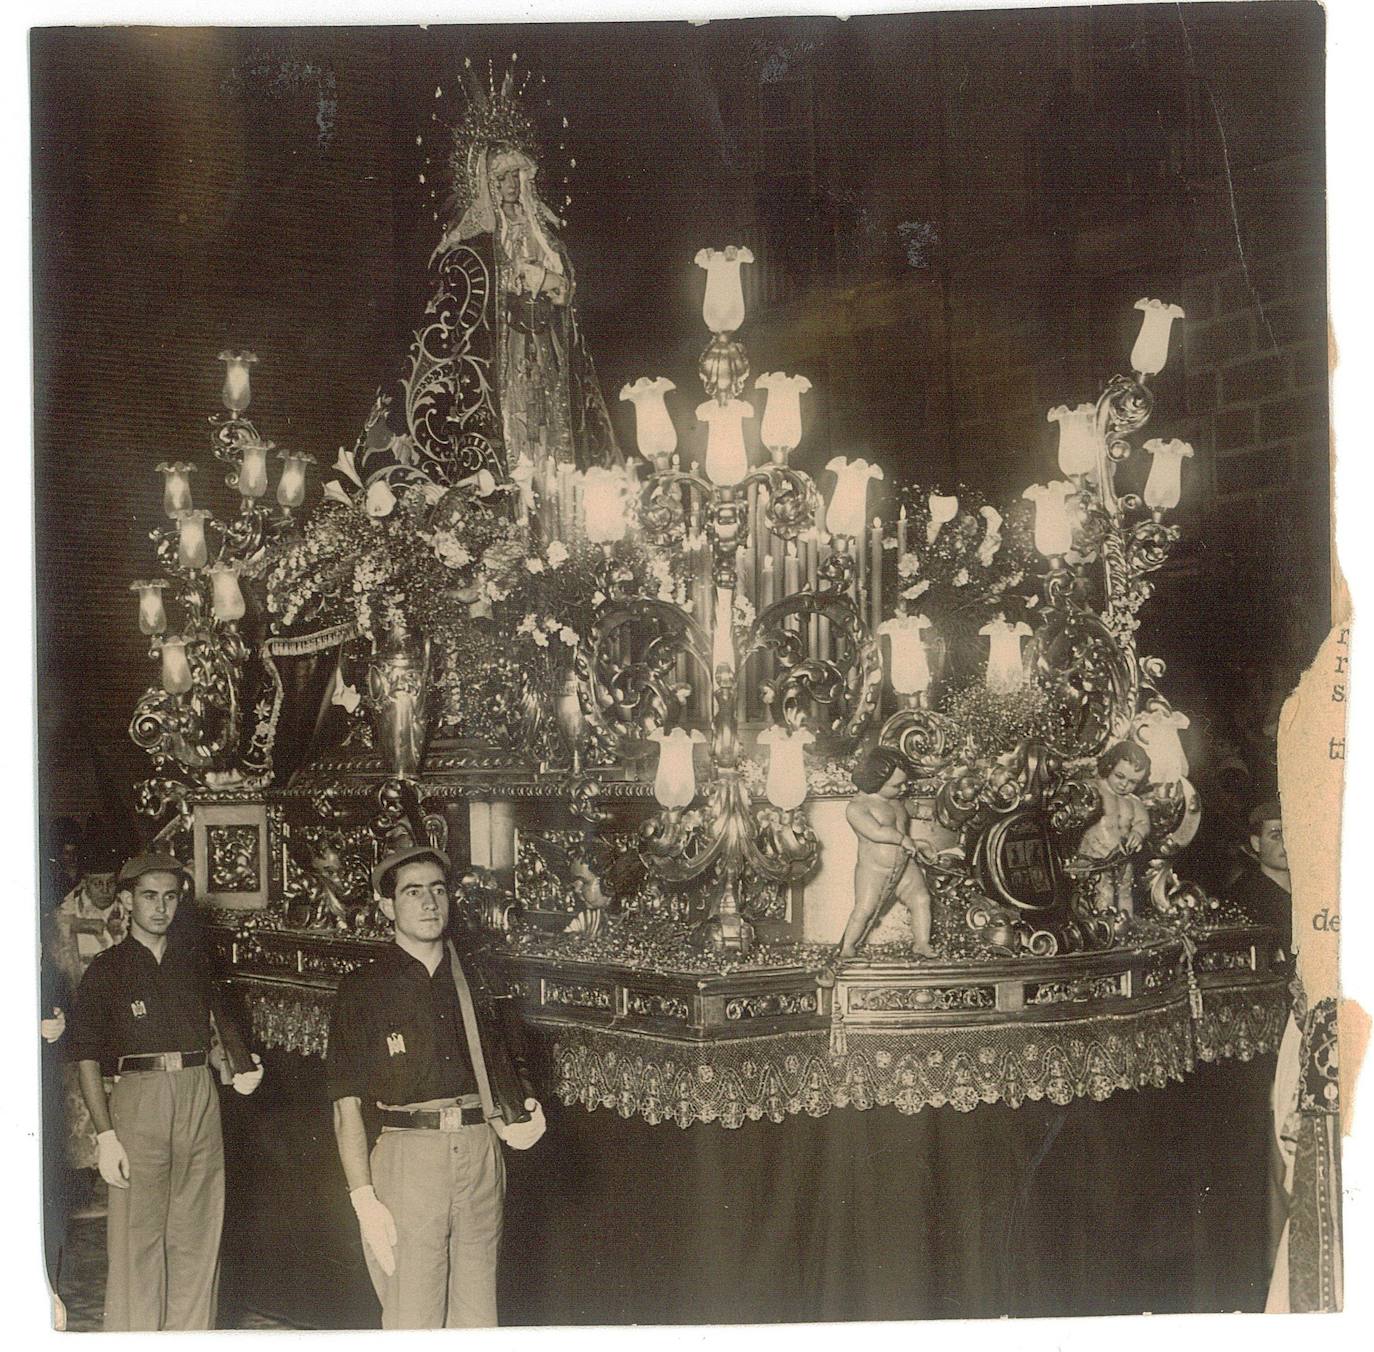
x=398 y=685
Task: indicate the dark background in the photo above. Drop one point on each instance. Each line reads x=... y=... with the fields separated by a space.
x=952 y=214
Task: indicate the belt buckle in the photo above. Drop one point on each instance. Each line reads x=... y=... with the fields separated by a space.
x=451 y=1117
x=171 y=1061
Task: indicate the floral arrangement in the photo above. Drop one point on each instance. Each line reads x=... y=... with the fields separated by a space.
x=995 y=722
x=956 y=551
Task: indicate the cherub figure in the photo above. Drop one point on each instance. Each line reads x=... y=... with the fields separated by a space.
x=1123 y=826
x=886 y=865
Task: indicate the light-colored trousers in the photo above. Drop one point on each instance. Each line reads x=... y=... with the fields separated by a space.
x=164 y=1229
x=445 y=1191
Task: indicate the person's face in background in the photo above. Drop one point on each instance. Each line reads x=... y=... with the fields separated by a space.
x=1269 y=847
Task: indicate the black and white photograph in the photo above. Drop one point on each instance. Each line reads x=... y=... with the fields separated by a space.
x=686 y=672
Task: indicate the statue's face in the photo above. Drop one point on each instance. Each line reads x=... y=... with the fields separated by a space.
x=1123 y=777
x=506 y=184
x=895 y=786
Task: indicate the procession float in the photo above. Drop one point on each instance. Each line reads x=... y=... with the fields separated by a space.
x=627 y=691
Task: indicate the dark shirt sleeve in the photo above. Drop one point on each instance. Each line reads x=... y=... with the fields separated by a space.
x=345 y=1062
x=89 y=1018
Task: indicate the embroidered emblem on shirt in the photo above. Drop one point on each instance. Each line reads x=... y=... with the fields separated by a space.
x=139 y=1008
x=395 y=1044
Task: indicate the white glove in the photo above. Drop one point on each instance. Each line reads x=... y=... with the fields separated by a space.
x=248 y=1080
x=522 y=1135
x=53 y=1028
x=114 y=1163
x=378 y=1228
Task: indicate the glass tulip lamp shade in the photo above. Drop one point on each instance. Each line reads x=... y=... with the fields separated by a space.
x=191 y=548
x=1053 y=524
x=1164 y=487
x=176 y=671
x=786 y=785
x=603 y=499
x=723 y=306
x=847 y=513
x=908 y=664
x=1005 y=674
x=781 y=428
x=253 y=470
x=1079 y=442
x=726 y=460
x=237 y=392
x=152 y=614
x=675 y=784
x=226 y=596
x=176 y=488
x=291 y=485
x=655 y=434
x=1151 y=348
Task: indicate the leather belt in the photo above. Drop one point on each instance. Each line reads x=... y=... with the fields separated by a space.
x=161 y=1061
x=434 y=1119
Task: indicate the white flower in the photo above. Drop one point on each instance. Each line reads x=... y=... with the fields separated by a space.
x=527 y=625
x=540 y=638
x=557 y=554
x=334 y=492
x=449 y=551
x=961 y=578
x=344 y=464
x=380 y=500
x=912 y=592
x=552 y=625
x=569 y=635
x=908 y=565
x=534 y=565
x=598 y=598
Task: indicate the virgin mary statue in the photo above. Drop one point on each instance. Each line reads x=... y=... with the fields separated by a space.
x=500 y=377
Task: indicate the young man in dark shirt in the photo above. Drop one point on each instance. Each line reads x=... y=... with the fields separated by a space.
x=1263 y=886
x=406 y=1036
x=143 y=1013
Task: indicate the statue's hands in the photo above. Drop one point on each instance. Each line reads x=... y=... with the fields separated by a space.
x=532 y=276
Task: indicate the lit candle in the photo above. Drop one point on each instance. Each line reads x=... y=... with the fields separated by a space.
x=786 y=785
x=176 y=671
x=1157 y=731
x=236 y=393
x=1005 y=673
x=875 y=575
x=908 y=670
x=1163 y=487
x=252 y=478
x=726 y=460
x=901 y=533
x=769 y=584
x=791 y=570
x=291 y=486
x=781 y=428
x=848 y=510
x=1151 y=348
x=723 y=305
x=226 y=597
x=176 y=488
x=152 y=615
x=191 y=550
x=1079 y=440
x=1053 y=525
x=675 y=784
x=654 y=430
x=604 y=495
